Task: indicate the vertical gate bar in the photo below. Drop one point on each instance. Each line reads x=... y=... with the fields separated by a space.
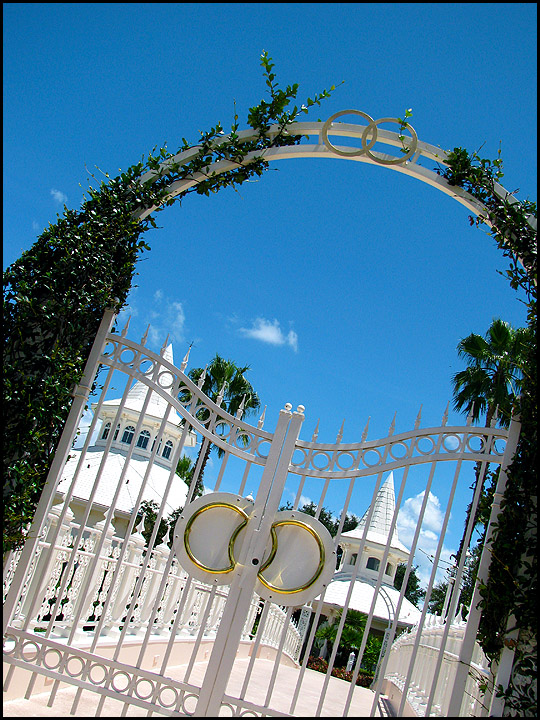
x=317 y=613
x=243 y=482
x=378 y=584
x=420 y=625
x=352 y=581
x=277 y=661
x=254 y=651
x=241 y=588
x=123 y=550
x=83 y=524
x=406 y=575
x=110 y=514
x=60 y=456
x=456 y=592
x=473 y=620
x=90 y=573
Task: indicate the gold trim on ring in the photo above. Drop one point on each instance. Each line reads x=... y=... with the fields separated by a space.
x=320 y=567
x=232 y=561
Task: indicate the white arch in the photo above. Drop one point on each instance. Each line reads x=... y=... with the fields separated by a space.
x=367 y=134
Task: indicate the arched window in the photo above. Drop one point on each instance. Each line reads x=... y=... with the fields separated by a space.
x=116 y=431
x=144 y=437
x=373 y=563
x=389 y=569
x=154 y=444
x=167 y=449
x=129 y=432
x=106 y=431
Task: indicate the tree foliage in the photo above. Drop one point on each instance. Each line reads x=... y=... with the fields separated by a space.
x=511 y=589
x=413 y=592
x=225 y=383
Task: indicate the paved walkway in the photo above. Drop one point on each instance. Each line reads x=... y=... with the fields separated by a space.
x=335 y=699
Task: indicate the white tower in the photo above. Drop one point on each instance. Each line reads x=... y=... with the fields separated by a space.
x=377 y=538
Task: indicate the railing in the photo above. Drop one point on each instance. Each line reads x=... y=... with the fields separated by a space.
x=421 y=679
x=154 y=593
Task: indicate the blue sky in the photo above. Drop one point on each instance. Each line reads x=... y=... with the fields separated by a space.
x=344 y=286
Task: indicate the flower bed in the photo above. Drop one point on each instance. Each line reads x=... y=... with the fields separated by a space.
x=320 y=665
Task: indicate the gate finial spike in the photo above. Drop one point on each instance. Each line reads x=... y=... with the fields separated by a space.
x=261 y=419
x=143 y=339
x=445 y=414
x=202 y=378
x=221 y=394
x=494 y=418
x=364 y=434
x=183 y=366
x=392 y=425
x=164 y=346
x=470 y=415
x=418 y=418
x=240 y=410
x=125 y=328
x=340 y=433
x=316 y=431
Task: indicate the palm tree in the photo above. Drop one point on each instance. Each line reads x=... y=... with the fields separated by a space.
x=351 y=636
x=221 y=377
x=494 y=374
x=492 y=381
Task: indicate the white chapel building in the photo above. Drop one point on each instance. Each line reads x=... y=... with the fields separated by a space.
x=377 y=538
x=107 y=470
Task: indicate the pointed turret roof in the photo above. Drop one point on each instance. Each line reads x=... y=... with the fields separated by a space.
x=381 y=518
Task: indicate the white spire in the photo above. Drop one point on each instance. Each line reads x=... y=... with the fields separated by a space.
x=383 y=509
x=381 y=518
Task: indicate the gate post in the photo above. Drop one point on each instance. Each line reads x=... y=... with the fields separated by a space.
x=250 y=559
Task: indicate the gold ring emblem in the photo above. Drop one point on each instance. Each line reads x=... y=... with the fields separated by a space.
x=298 y=561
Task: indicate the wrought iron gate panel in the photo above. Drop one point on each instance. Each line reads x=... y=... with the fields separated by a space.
x=91 y=607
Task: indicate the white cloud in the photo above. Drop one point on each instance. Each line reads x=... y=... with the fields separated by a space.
x=428 y=539
x=269 y=331
x=166 y=316
x=59 y=196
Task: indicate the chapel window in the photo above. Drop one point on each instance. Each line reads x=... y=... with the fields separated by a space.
x=143 y=440
x=373 y=563
x=167 y=449
x=106 y=431
x=129 y=432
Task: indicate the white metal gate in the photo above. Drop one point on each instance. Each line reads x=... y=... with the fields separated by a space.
x=165 y=630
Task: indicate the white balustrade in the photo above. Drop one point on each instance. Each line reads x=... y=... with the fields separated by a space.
x=422 y=675
x=42 y=592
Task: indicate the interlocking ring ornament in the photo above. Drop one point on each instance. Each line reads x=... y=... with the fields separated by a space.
x=367 y=145
x=298 y=562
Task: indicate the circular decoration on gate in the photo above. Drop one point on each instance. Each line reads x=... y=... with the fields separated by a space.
x=207 y=533
x=298 y=562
